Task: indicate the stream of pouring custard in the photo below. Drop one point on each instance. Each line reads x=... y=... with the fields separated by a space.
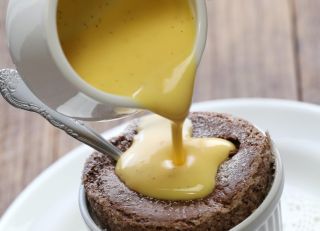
x=144 y=49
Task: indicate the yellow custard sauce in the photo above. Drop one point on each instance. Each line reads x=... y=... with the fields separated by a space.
x=148 y=167
x=137 y=48
x=144 y=49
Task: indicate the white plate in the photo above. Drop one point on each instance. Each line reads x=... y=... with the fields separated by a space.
x=50 y=202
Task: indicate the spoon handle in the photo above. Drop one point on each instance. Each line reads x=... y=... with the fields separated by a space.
x=15 y=92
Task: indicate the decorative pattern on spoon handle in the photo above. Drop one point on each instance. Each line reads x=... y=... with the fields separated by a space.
x=9 y=81
x=15 y=92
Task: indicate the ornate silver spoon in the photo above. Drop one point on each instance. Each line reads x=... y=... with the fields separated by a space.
x=16 y=92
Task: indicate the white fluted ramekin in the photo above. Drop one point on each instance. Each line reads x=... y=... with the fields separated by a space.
x=267 y=217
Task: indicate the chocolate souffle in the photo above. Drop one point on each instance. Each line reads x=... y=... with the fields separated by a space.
x=242 y=183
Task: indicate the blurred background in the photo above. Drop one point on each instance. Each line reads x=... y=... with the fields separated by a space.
x=265 y=48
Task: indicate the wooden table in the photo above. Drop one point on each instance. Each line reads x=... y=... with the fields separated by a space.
x=256 y=48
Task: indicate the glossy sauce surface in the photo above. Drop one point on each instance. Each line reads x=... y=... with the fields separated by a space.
x=147 y=167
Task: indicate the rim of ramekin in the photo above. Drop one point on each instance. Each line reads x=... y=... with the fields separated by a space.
x=254 y=221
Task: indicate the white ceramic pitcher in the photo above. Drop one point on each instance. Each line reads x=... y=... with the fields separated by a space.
x=36 y=51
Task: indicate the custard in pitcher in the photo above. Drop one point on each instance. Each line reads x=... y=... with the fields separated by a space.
x=138 y=48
